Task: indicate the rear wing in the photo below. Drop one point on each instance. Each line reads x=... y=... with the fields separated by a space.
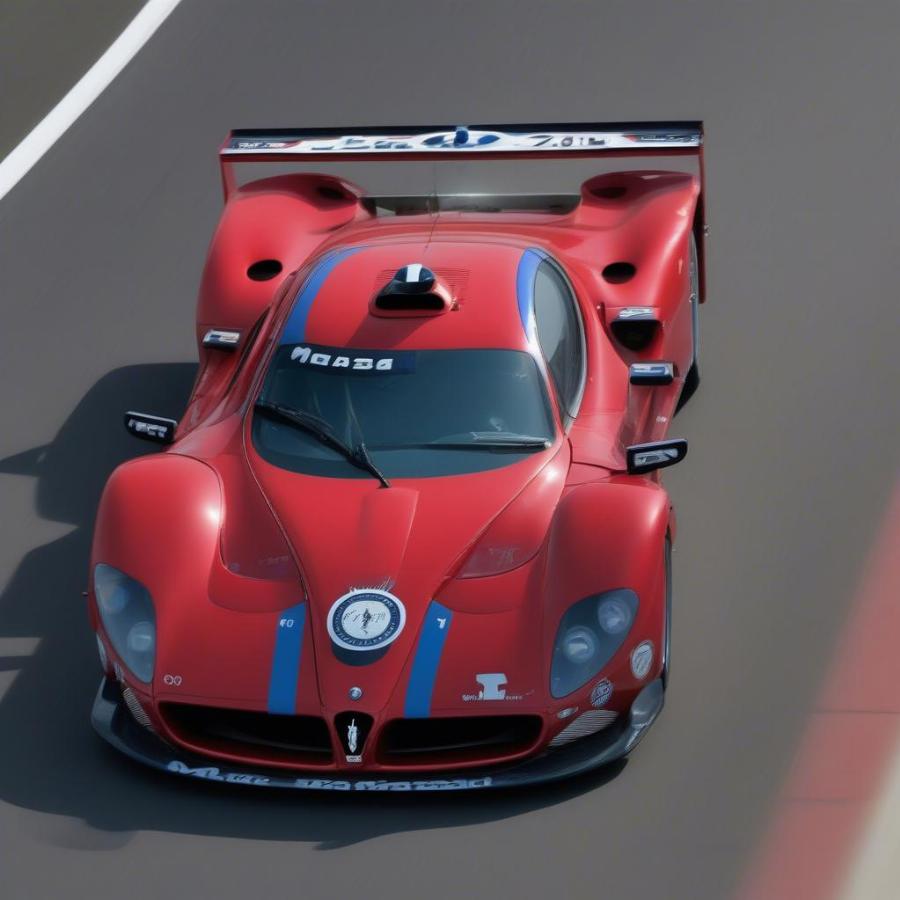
x=467 y=142
x=443 y=142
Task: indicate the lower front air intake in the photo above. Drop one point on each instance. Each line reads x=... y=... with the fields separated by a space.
x=456 y=739
x=586 y=724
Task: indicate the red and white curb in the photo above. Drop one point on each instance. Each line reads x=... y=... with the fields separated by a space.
x=834 y=833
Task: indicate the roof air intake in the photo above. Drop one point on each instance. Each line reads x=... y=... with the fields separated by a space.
x=413 y=291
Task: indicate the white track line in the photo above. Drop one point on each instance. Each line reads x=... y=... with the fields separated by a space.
x=52 y=127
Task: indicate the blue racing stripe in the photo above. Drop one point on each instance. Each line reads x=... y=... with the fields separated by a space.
x=295 y=329
x=428 y=658
x=286 y=660
x=525 y=276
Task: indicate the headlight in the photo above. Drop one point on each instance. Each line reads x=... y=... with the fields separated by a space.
x=579 y=645
x=589 y=634
x=614 y=614
x=128 y=619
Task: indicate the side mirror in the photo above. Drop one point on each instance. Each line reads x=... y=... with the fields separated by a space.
x=651 y=373
x=643 y=458
x=151 y=428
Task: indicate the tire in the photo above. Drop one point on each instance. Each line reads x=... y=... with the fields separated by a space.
x=692 y=379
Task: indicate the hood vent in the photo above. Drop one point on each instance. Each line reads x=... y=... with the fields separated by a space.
x=413 y=291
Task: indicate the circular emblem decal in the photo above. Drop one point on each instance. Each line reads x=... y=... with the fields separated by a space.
x=601 y=693
x=366 y=619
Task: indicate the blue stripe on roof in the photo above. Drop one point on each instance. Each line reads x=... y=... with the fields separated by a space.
x=425 y=665
x=295 y=329
x=286 y=660
x=525 y=276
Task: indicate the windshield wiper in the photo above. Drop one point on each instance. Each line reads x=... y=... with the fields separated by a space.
x=480 y=440
x=509 y=439
x=498 y=443
x=312 y=424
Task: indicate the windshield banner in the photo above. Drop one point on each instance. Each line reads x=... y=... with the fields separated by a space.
x=351 y=361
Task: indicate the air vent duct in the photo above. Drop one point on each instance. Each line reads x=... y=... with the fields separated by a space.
x=635 y=327
x=413 y=291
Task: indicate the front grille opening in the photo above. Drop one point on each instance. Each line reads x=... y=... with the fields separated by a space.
x=246 y=733
x=457 y=739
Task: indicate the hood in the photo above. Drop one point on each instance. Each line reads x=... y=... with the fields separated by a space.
x=408 y=539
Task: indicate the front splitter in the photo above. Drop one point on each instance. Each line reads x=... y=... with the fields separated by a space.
x=113 y=722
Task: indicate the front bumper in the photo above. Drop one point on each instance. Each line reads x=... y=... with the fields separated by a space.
x=113 y=722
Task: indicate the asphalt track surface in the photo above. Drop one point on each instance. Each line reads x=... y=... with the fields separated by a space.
x=45 y=47
x=794 y=433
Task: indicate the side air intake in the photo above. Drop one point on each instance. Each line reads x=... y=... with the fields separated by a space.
x=413 y=291
x=635 y=327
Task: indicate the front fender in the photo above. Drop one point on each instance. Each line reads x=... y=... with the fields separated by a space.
x=159 y=521
x=607 y=535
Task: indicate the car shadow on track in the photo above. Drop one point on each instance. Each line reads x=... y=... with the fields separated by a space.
x=50 y=759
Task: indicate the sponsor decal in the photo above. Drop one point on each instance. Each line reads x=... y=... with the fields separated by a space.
x=642 y=659
x=152 y=429
x=356 y=362
x=665 y=137
x=214 y=773
x=636 y=312
x=262 y=145
x=465 y=138
x=492 y=687
x=601 y=693
x=172 y=680
x=438 y=784
x=366 y=619
x=653 y=369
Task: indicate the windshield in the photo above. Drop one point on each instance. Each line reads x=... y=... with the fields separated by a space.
x=418 y=413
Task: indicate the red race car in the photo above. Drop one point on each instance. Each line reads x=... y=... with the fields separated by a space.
x=409 y=533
